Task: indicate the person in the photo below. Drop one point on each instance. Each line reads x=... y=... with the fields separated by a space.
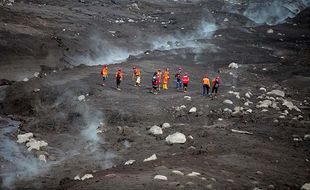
x=185 y=80
x=118 y=78
x=136 y=76
x=215 y=85
x=206 y=85
x=159 y=75
x=155 y=81
x=104 y=74
x=166 y=78
x=178 y=79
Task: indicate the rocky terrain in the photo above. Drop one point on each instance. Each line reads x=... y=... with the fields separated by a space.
x=61 y=129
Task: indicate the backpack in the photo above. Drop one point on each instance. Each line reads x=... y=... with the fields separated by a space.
x=216 y=84
x=154 y=79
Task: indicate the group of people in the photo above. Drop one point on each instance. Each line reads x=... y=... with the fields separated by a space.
x=162 y=79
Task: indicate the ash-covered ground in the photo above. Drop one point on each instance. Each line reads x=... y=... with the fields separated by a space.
x=61 y=129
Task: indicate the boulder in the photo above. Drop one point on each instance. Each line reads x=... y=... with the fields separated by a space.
x=81 y=98
x=155 y=130
x=36 y=74
x=177 y=172
x=227 y=101
x=176 y=138
x=306 y=186
x=263 y=89
x=193 y=110
x=290 y=105
x=34 y=144
x=151 y=158
x=24 y=137
x=264 y=104
x=270 y=31
x=160 y=177
x=87 y=176
x=193 y=174
x=277 y=93
x=165 y=125
x=130 y=162
x=77 y=177
x=42 y=158
x=233 y=65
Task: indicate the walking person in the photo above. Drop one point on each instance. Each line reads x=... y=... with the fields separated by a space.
x=206 y=85
x=178 y=78
x=104 y=74
x=185 y=80
x=118 y=78
x=136 y=76
x=166 y=78
x=159 y=81
x=215 y=85
x=155 y=81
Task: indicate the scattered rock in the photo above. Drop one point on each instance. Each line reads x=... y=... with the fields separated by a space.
x=161 y=177
x=307 y=137
x=42 y=157
x=193 y=174
x=264 y=104
x=36 y=90
x=129 y=162
x=155 y=130
x=290 y=105
x=77 y=177
x=177 y=172
x=24 y=137
x=271 y=187
x=34 y=144
x=226 y=20
x=230 y=180
x=188 y=98
x=248 y=94
x=87 y=176
x=264 y=110
x=26 y=80
x=151 y=158
x=165 y=125
x=263 y=89
x=193 y=110
x=81 y=98
x=176 y=138
x=36 y=74
x=270 y=31
x=227 y=101
x=228 y=110
x=306 y=186
x=233 y=65
x=241 y=132
x=190 y=137
x=277 y=93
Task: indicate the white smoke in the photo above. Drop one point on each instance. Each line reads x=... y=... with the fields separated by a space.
x=275 y=11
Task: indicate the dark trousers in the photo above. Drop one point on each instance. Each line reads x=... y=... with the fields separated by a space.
x=118 y=82
x=215 y=89
x=205 y=88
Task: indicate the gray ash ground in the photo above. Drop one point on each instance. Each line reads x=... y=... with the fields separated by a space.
x=67 y=42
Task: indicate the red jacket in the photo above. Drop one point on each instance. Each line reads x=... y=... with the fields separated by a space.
x=216 y=80
x=185 y=79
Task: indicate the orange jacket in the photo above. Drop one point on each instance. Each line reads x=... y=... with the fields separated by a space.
x=206 y=81
x=119 y=73
x=166 y=77
x=104 y=71
x=136 y=73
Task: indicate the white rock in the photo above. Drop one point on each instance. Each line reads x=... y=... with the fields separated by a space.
x=36 y=90
x=249 y=111
x=165 y=125
x=188 y=98
x=241 y=132
x=306 y=186
x=263 y=89
x=190 y=137
x=42 y=158
x=264 y=104
x=193 y=174
x=176 y=138
x=131 y=20
x=193 y=110
x=233 y=65
x=177 y=172
x=77 y=177
x=277 y=93
x=307 y=137
x=36 y=74
x=264 y=110
x=248 y=95
x=87 y=176
x=129 y=162
x=81 y=98
x=282 y=117
x=226 y=20
x=290 y=105
x=227 y=110
x=26 y=79
x=155 y=130
x=34 y=144
x=151 y=158
x=227 y=101
x=161 y=177
x=183 y=107
x=270 y=31
x=24 y=137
